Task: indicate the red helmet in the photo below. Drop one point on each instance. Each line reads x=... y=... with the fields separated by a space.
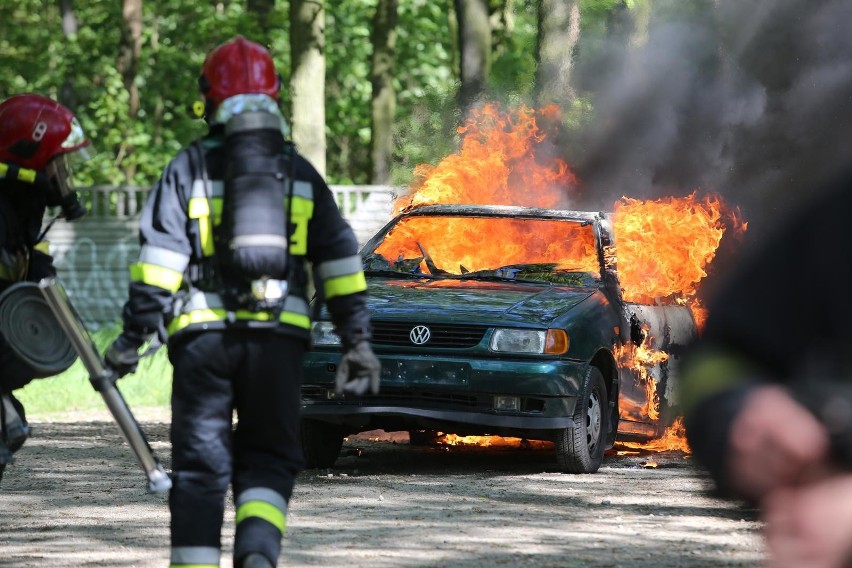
x=238 y=67
x=35 y=129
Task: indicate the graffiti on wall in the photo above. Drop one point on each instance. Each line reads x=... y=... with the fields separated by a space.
x=96 y=277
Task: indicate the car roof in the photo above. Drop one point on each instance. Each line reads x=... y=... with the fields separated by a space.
x=503 y=211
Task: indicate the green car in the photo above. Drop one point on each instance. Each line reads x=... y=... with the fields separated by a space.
x=494 y=320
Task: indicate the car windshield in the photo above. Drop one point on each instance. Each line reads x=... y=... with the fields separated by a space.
x=556 y=251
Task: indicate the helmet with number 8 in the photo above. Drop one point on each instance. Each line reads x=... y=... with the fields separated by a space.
x=35 y=129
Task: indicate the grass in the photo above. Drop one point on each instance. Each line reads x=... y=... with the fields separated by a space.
x=71 y=391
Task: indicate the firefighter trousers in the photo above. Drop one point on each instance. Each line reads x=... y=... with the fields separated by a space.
x=257 y=375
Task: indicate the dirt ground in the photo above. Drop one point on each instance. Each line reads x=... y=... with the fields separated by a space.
x=76 y=497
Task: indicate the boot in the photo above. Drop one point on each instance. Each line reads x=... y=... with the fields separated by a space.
x=256 y=560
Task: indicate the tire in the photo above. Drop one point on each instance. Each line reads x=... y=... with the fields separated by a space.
x=581 y=449
x=321 y=443
x=422 y=437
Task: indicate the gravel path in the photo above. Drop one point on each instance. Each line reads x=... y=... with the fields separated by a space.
x=75 y=497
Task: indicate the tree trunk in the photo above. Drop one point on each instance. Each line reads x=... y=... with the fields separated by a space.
x=383 y=102
x=128 y=65
x=558 y=35
x=475 y=48
x=262 y=9
x=67 y=95
x=307 y=79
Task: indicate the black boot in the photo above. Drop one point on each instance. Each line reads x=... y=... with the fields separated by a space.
x=256 y=560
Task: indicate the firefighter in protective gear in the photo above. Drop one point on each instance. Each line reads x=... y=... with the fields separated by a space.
x=225 y=237
x=38 y=137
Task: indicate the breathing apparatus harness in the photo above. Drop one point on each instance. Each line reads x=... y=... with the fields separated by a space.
x=251 y=265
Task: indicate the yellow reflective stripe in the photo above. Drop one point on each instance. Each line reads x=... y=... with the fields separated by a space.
x=301 y=211
x=298 y=320
x=708 y=374
x=214 y=315
x=218 y=204
x=344 y=285
x=199 y=208
x=27 y=175
x=3 y=169
x=42 y=246
x=193 y=565
x=262 y=510
x=156 y=276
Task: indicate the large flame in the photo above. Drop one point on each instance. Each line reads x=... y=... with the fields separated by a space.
x=497 y=164
x=666 y=245
x=569 y=246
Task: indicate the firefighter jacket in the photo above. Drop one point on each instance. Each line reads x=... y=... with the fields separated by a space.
x=173 y=286
x=22 y=257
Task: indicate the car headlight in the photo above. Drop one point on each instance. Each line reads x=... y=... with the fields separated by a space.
x=551 y=341
x=322 y=333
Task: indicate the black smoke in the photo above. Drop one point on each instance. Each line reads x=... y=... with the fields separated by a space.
x=751 y=100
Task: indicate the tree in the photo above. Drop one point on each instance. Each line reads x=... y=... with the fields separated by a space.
x=383 y=103
x=128 y=63
x=307 y=79
x=474 y=30
x=69 y=30
x=558 y=36
x=262 y=8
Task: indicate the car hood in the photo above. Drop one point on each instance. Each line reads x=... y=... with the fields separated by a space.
x=470 y=301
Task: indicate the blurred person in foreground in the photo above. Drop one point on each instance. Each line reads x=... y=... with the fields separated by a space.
x=767 y=389
x=225 y=236
x=40 y=139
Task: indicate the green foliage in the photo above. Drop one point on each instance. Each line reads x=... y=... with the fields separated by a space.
x=71 y=390
x=81 y=71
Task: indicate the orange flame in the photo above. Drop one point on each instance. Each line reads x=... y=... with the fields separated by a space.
x=490 y=441
x=672 y=440
x=497 y=164
x=666 y=245
x=641 y=359
x=473 y=246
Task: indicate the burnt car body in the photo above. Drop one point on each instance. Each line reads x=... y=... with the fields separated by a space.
x=522 y=349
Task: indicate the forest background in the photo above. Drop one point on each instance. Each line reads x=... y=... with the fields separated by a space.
x=658 y=97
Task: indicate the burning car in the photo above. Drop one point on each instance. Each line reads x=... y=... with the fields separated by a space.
x=522 y=332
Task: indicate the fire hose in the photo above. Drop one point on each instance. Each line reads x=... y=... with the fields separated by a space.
x=103 y=380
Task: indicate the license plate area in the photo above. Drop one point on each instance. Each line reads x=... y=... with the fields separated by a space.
x=408 y=372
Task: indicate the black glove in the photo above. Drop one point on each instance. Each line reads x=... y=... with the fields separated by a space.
x=359 y=369
x=123 y=355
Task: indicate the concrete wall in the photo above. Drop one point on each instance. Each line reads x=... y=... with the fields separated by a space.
x=92 y=255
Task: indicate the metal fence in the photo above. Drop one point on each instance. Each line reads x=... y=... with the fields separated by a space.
x=92 y=254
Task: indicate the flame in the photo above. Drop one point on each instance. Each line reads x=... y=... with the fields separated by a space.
x=641 y=359
x=490 y=441
x=497 y=164
x=666 y=245
x=473 y=246
x=672 y=440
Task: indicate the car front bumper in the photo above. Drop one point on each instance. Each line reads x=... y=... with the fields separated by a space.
x=430 y=391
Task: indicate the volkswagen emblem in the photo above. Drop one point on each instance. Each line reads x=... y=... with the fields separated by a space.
x=419 y=335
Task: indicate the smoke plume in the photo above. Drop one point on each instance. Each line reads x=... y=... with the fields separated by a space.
x=751 y=100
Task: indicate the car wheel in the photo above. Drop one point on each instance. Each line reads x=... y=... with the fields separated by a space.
x=581 y=449
x=321 y=443
x=422 y=437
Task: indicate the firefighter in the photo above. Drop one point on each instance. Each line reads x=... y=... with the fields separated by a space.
x=39 y=139
x=767 y=389
x=225 y=236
